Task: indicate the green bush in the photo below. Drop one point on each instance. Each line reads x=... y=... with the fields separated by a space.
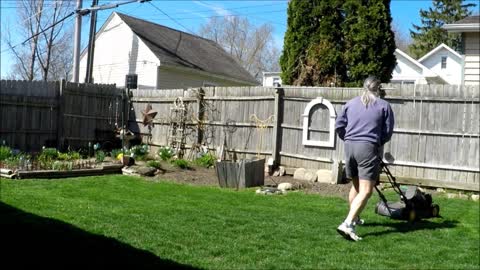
x=181 y=163
x=46 y=157
x=154 y=164
x=166 y=153
x=99 y=156
x=62 y=165
x=17 y=161
x=5 y=152
x=139 y=152
x=49 y=153
x=207 y=160
x=69 y=156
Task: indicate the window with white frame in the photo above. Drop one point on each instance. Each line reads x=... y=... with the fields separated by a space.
x=331 y=131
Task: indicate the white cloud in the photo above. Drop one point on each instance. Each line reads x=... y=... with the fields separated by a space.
x=217 y=9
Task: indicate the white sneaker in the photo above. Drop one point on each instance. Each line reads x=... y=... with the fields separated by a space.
x=348 y=232
x=358 y=221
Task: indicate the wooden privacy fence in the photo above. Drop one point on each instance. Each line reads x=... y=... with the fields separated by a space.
x=435 y=142
x=57 y=114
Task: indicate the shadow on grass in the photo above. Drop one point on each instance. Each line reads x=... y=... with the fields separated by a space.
x=404 y=227
x=30 y=240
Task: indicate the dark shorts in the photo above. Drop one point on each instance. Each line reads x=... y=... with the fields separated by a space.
x=362 y=160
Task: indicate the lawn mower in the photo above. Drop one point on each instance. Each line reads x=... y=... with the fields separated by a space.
x=414 y=204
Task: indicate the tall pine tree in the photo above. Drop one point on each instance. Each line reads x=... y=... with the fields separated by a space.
x=312 y=47
x=430 y=34
x=327 y=38
x=369 y=40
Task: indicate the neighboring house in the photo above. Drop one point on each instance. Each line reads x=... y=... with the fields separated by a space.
x=272 y=79
x=445 y=62
x=410 y=71
x=163 y=58
x=470 y=30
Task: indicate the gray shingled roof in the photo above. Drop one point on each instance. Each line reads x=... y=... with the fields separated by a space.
x=469 y=19
x=181 y=49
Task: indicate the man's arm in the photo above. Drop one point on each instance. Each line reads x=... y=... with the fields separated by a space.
x=388 y=125
x=341 y=123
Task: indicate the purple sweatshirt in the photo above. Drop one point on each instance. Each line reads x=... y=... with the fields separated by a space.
x=365 y=124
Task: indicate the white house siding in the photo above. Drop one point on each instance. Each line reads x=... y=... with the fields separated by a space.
x=269 y=79
x=452 y=73
x=472 y=58
x=118 y=52
x=169 y=78
x=407 y=72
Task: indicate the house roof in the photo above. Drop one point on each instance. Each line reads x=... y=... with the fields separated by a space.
x=468 y=24
x=437 y=49
x=426 y=72
x=179 y=49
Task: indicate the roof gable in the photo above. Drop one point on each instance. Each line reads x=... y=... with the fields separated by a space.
x=180 y=49
x=425 y=71
x=410 y=59
x=437 y=50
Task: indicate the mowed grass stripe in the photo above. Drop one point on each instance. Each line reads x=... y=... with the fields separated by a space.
x=215 y=228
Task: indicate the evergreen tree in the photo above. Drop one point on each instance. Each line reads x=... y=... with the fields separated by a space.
x=325 y=38
x=369 y=40
x=312 y=47
x=430 y=34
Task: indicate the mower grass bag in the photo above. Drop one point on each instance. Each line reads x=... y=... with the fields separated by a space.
x=414 y=205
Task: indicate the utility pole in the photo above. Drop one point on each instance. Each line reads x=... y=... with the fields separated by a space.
x=93 y=28
x=76 y=43
x=91 y=43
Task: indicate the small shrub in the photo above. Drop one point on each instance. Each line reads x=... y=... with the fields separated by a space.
x=139 y=152
x=49 y=153
x=154 y=164
x=181 y=163
x=62 y=165
x=17 y=161
x=5 y=152
x=99 y=156
x=46 y=157
x=70 y=156
x=207 y=160
x=166 y=153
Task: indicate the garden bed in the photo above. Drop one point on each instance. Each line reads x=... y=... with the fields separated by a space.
x=104 y=169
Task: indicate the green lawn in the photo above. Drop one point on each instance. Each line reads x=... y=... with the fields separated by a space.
x=130 y=222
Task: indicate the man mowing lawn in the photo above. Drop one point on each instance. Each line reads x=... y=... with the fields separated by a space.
x=365 y=125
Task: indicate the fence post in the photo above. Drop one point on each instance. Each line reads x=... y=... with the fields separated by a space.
x=277 y=127
x=60 y=113
x=200 y=115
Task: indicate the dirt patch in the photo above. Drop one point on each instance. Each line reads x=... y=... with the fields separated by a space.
x=207 y=177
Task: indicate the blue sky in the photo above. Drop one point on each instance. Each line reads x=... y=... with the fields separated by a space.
x=190 y=15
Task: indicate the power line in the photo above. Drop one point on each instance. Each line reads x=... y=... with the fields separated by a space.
x=188 y=30
x=44 y=30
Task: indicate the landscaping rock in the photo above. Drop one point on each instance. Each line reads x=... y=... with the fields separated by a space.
x=139 y=171
x=475 y=197
x=146 y=171
x=441 y=190
x=463 y=196
x=306 y=175
x=324 y=176
x=285 y=186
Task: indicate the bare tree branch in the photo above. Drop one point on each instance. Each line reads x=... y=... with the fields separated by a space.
x=253 y=47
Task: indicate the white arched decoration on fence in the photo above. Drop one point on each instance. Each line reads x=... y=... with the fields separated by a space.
x=306 y=115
